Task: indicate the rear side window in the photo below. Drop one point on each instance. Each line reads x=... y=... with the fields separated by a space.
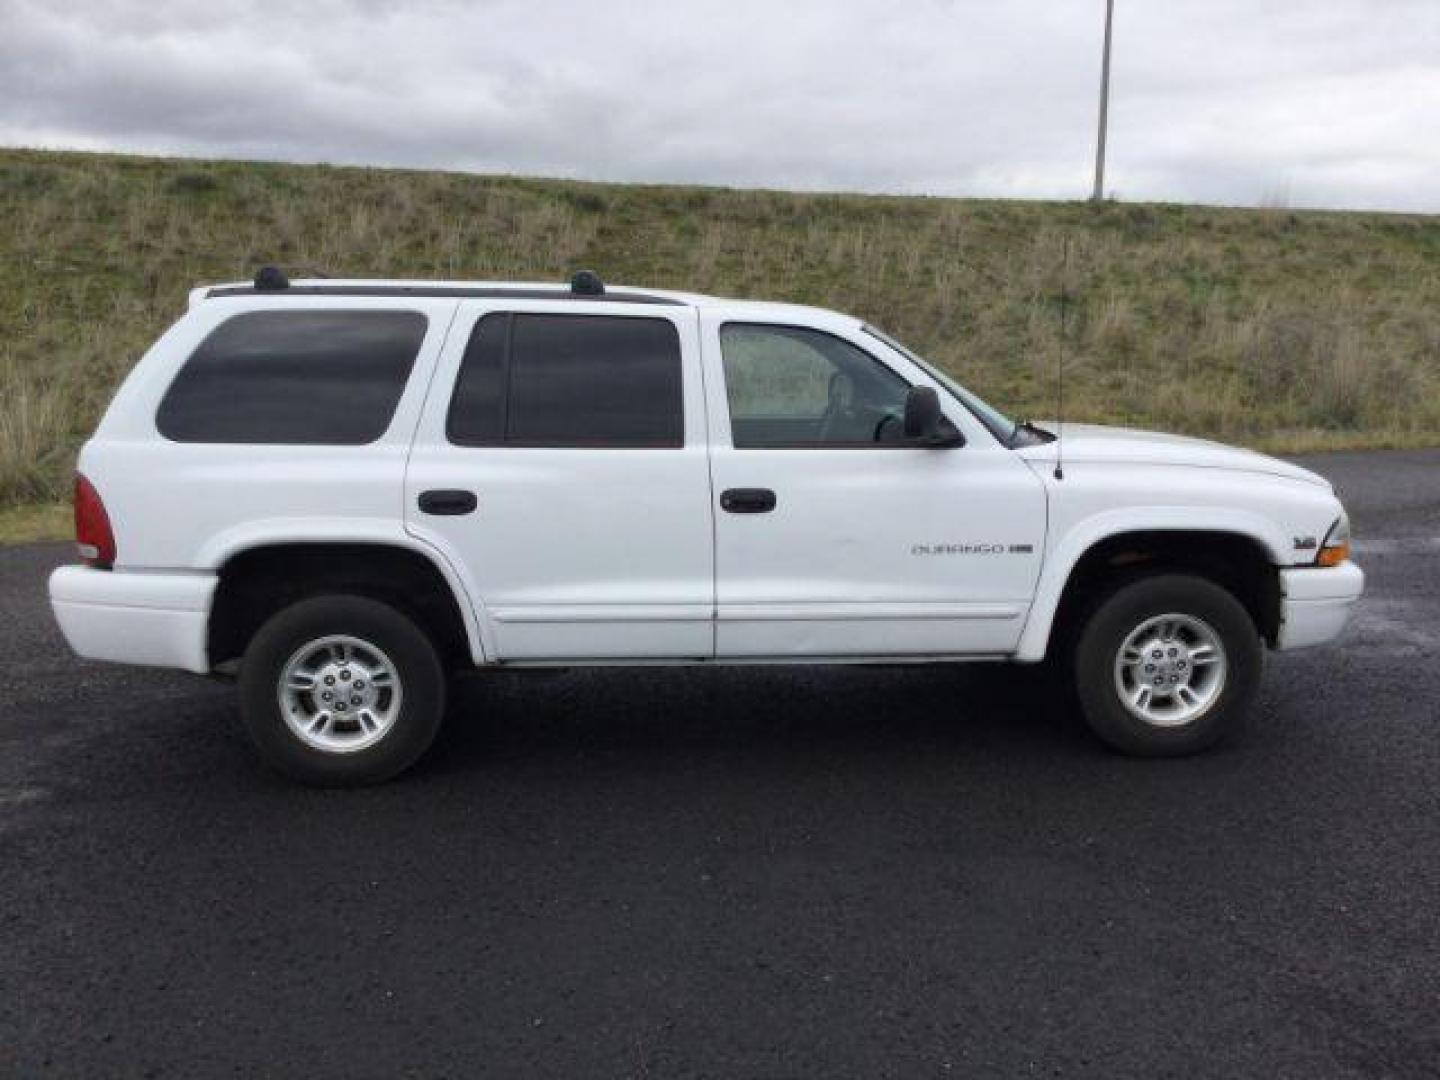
x=569 y=380
x=328 y=378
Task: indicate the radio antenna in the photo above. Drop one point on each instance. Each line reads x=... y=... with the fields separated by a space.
x=1060 y=365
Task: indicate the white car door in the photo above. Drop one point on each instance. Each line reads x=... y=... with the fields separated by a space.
x=561 y=467
x=836 y=538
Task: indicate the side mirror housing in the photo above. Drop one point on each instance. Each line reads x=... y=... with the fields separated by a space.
x=925 y=423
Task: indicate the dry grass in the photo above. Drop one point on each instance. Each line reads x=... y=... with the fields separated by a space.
x=1268 y=327
x=30 y=523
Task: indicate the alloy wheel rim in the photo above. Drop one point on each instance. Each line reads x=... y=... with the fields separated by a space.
x=1170 y=670
x=339 y=694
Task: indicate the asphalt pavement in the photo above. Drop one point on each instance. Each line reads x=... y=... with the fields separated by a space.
x=817 y=872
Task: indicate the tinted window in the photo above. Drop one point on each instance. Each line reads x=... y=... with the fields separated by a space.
x=792 y=386
x=569 y=380
x=325 y=377
x=477 y=411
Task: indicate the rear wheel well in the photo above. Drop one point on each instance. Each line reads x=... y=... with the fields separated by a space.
x=1236 y=563
x=255 y=584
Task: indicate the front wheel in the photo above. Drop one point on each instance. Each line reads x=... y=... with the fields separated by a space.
x=341 y=690
x=1167 y=665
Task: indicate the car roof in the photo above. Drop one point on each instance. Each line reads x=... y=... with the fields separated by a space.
x=760 y=310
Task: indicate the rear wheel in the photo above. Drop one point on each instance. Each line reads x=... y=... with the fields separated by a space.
x=340 y=690
x=1167 y=665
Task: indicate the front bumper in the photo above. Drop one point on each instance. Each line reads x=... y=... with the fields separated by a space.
x=1315 y=603
x=134 y=617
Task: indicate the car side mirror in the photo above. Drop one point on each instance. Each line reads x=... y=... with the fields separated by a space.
x=925 y=423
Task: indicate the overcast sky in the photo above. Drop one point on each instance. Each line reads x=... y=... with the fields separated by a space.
x=1289 y=102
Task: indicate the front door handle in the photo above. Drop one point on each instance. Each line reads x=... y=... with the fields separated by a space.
x=447 y=502
x=747 y=500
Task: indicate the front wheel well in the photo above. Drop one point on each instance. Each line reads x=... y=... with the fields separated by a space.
x=257 y=583
x=1237 y=563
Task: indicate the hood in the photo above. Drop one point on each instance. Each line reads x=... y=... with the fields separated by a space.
x=1095 y=444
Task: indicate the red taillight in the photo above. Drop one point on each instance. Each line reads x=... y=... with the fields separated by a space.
x=93 y=534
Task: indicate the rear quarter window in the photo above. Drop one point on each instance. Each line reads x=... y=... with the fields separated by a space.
x=294 y=377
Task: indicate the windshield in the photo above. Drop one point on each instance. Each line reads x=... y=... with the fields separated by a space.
x=999 y=425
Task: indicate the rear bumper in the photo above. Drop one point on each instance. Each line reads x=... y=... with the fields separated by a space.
x=134 y=617
x=1315 y=603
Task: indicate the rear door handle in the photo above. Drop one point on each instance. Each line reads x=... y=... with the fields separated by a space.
x=448 y=502
x=747 y=500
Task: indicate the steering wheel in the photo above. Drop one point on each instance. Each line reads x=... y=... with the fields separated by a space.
x=884 y=424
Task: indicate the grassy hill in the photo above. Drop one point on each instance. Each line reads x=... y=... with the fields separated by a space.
x=1275 y=328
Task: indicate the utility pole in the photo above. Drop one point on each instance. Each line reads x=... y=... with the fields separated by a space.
x=1099 y=192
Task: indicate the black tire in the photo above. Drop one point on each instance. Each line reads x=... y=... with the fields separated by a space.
x=408 y=649
x=1125 y=610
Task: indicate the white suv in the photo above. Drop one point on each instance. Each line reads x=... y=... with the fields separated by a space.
x=344 y=490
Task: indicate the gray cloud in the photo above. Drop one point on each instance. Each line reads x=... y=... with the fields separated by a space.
x=1321 y=103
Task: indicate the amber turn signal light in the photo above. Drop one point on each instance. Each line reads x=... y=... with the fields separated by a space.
x=1336 y=548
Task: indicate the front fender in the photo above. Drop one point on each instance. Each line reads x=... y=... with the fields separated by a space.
x=1083 y=535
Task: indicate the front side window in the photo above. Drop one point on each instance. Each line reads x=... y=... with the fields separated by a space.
x=569 y=380
x=791 y=386
x=997 y=423
x=294 y=377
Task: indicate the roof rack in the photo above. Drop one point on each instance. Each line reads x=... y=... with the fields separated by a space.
x=271 y=279
x=585 y=285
